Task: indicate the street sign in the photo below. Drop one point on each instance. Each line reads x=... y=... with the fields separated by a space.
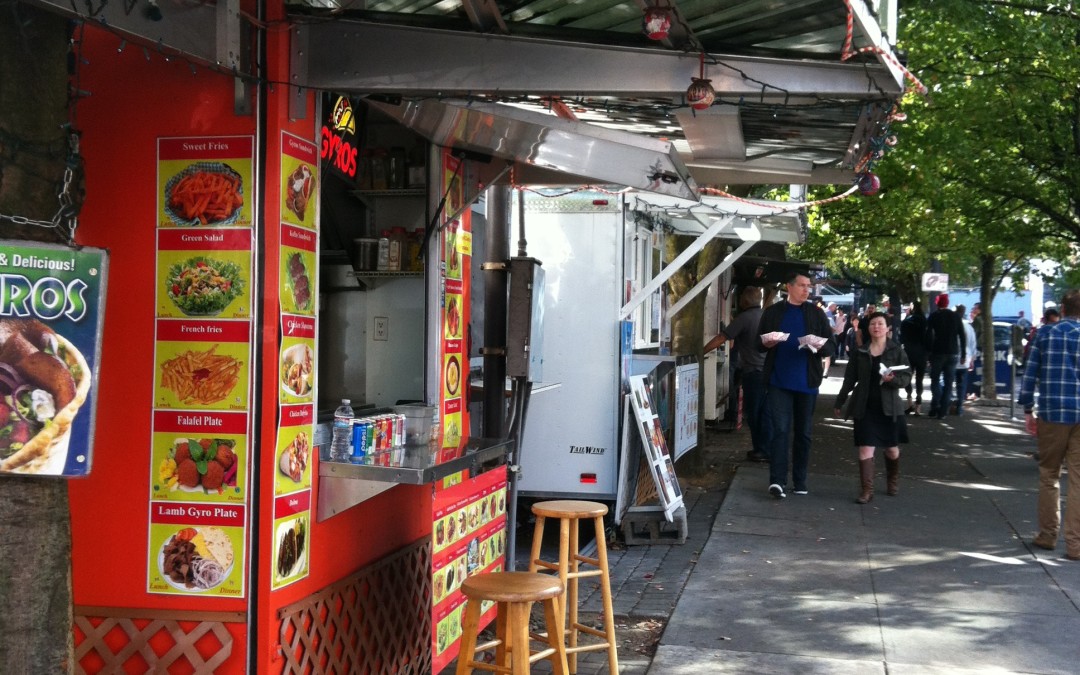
x=935 y=282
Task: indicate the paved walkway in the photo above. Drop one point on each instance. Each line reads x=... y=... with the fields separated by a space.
x=940 y=579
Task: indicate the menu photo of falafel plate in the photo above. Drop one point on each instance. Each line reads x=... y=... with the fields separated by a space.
x=204 y=274
x=202 y=365
x=205 y=181
x=199 y=456
x=296 y=272
x=292 y=538
x=299 y=181
x=196 y=549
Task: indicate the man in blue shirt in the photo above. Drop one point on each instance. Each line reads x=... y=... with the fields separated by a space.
x=1053 y=369
x=793 y=372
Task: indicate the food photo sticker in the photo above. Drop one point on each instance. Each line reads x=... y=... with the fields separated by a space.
x=453 y=375
x=291 y=548
x=296 y=295
x=197 y=560
x=296 y=193
x=294 y=460
x=204 y=286
x=296 y=371
x=199 y=468
x=452 y=253
x=44 y=380
x=453 y=316
x=193 y=375
x=203 y=194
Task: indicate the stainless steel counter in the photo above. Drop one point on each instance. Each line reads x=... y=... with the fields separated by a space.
x=344 y=485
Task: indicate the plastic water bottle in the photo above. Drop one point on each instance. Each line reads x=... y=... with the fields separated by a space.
x=341 y=441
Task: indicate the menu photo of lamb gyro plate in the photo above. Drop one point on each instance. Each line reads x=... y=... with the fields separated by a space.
x=196 y=559
x=50 y=324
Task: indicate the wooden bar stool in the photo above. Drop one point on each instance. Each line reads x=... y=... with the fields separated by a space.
x=569 y=512
x=514 y=593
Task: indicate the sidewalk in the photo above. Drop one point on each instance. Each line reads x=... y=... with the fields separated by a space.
x=941 y=578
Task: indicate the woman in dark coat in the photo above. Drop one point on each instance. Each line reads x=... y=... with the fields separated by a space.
x=876 y=405
x=913 y=337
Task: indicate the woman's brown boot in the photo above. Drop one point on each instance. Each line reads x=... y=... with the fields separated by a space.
x=866 y=477
x=892 y=476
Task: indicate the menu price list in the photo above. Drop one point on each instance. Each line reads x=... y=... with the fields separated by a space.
x=200 y=424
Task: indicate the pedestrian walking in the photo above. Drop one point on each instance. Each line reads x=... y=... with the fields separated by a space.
x=743 y=331
x=947 y=344
x=1053 y=370
x=965 y=368
x=873 y=379
x=913 y=339
x=797 y=339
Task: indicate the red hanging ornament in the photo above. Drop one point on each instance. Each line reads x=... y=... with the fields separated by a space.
x=656 y=22
x=701 y=94
x=869 y=184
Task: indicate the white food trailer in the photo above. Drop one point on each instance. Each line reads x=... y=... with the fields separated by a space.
x=605 y=318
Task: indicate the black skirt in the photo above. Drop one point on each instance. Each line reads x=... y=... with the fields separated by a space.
x=875 y=428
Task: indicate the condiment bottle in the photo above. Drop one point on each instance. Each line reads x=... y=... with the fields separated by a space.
x=384 y=251
x=416 y=242
x=397 y=248
x=378 y=169
x=395 y=168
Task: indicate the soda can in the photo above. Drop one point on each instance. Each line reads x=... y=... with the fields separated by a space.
x=399 y=430
x=370 y=434
x=360 y=440
x=382 y=432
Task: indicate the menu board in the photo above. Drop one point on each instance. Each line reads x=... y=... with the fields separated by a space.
x=456 y=265
x=201 y=422
x=468 y=537
x=687 y=388
x=51 y=312
x=661 y=464
x=297 y=293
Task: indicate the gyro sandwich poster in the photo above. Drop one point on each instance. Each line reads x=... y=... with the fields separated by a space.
x=51 y=311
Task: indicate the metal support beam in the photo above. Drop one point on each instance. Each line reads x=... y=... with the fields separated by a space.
x=868 y=25
x=207 y=33
x=362 y=57
x=719 y=226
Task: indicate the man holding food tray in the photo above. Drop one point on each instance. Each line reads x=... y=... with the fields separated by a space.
x=795 y=338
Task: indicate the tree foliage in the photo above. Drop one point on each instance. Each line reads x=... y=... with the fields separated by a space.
x=988 y=164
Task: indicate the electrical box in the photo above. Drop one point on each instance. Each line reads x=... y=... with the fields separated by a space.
x=525 y=320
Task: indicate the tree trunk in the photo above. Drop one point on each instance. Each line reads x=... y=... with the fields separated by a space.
x=35 y=530
x=688 y=326
x=987 y=291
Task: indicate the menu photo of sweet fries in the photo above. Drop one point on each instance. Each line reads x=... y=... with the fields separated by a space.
x=206 y=378
x=204 y=194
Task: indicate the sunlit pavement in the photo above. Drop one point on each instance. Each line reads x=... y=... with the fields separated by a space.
x=939 y=579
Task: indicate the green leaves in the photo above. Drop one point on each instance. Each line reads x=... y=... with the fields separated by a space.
x=988 y=163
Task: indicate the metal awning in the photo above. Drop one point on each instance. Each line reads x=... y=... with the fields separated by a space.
x=714 y=217
x=545 y=142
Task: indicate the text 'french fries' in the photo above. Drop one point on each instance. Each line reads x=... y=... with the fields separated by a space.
x=201 y=377
x=206 y=196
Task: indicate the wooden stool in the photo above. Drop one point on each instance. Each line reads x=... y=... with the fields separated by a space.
x=569 y=512
x=515 y=593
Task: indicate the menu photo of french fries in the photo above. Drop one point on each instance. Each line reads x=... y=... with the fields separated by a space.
x=191 y=375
